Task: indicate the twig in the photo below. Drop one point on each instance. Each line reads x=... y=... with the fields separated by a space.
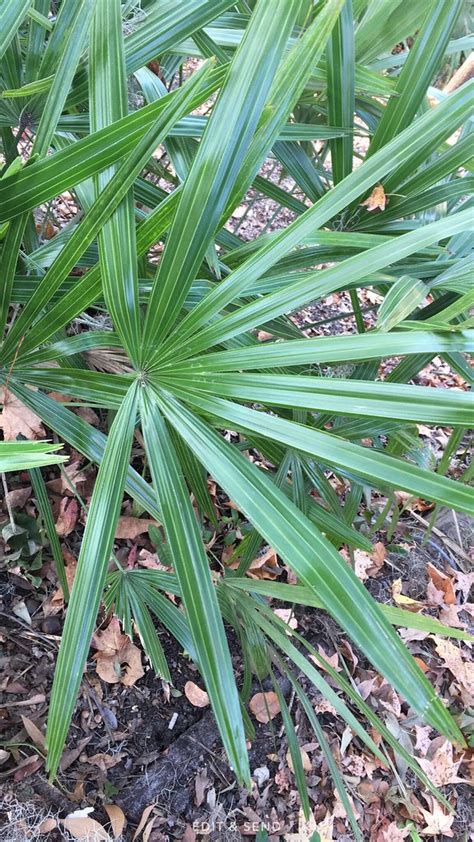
x=462 y=74
x=456 y=526
x=7 y=502
x=458 y=550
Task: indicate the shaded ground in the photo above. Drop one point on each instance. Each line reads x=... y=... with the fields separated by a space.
x=121 y=740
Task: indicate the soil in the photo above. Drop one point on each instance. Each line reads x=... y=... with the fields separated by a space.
x=121 y=748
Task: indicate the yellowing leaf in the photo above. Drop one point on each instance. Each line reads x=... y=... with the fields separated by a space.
x=405 y=601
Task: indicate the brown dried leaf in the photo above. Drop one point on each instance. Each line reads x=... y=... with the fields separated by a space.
x=147 y=832
x=369 y=564
x=438 y=822
x=265 y=566
x=117 y=818
x=462 y=670
x=68 y=516
x=27 y=767
x=143 y=821
x=440 y=767
x=72 y=474
x=34 y=733
x=423 y=741
x=131 y=527
x=201 y=784
x=70 y=755
x=404 y=601
x=194 y=694
x=104 y=761
x=377 y=199
x=393 y=833
x=114 y=651
x=47 y=825
x=464 y=583
x=282 y=780
x=18 y=497
x=264 y=706
x=16 y=419
x=305 y=759
x=442 y=583
x=287 y=615
x=307 y=828
x=332 y=660
x=87 y=414
x=37 y=699
x=83 y=827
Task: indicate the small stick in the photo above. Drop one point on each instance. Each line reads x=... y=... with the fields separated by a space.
x=7 y=501
x=443 y=537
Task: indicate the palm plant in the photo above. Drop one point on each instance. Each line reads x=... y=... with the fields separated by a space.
x=276 y=77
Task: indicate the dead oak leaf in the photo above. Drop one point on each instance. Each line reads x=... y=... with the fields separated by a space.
x=376 y=200
x=464 y=583
x=393 y=833
x=449 y=615
x=16 y=419
x=117 y=659
x=438 y=822
x=369 y=564
x=440 y=767
x=462 y=670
